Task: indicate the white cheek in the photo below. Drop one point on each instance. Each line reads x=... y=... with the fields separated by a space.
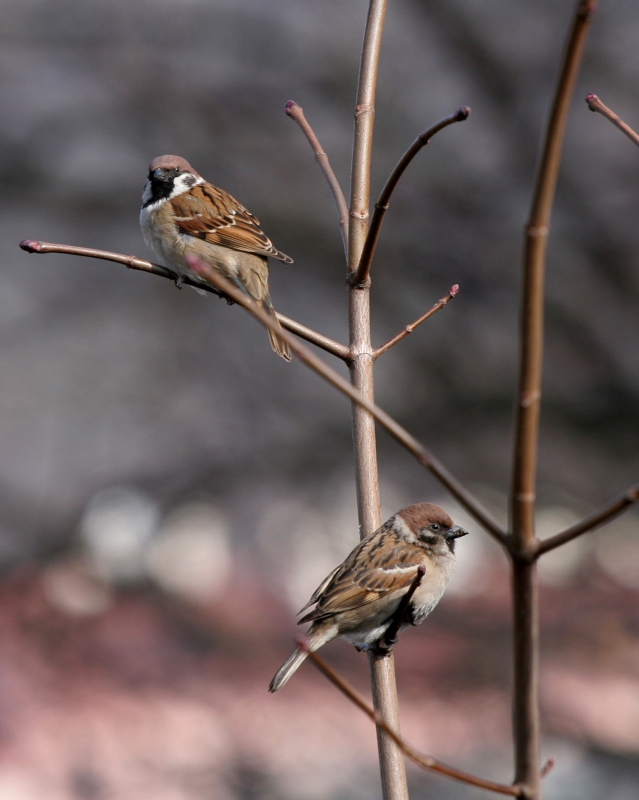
x=184 y=183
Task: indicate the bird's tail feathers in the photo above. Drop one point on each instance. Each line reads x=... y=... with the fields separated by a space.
x=291 y=665
x=278 y=345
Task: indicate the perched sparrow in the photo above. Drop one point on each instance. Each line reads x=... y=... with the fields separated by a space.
x=358 y=599
x=184 y=215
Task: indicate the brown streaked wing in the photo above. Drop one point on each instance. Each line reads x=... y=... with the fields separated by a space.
x=316 y=594
x=213 y=215
x=371 y=572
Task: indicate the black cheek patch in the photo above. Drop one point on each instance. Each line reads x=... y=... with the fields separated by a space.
x=189 y=180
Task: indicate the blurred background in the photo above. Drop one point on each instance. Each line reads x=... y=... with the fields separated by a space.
x=171 y=492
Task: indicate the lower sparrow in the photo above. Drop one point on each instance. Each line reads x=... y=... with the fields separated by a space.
x=184 y=215
x=359 y=598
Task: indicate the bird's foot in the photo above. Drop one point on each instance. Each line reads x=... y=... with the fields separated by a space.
x=384 y=647
x=179 y=281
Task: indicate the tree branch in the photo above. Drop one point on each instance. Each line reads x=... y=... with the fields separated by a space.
x=424 y=456
x=595 y=104
x=133 y=262
x=296 y=112
x=361 y=275
x=452 y=292
x=426 y=762
x=523 y=541
x=592 y=521
x=382 y=669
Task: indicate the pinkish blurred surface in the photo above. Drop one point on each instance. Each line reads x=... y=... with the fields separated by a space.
x=162 y=699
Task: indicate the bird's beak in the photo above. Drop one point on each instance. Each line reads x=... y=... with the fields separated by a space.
x=456 y=533
x=159 y=174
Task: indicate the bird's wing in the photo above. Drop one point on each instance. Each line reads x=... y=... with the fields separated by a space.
x=380 y=565
x=316 y=594
x=208 y=213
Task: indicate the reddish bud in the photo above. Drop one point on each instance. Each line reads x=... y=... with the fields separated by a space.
x=463 y=113
x=31 y=246
x=453 y=290
x=196 y=264
x=290 y=107
x=592 y=99
x=547 y=767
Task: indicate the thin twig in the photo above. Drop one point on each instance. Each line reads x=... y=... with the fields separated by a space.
x=133 y=262
x=592 y=521
x=427 y=762
x=595 y=104
x=388 y=641
x=452 y=292
x=296 y=112
x=424 y=456
x=361 y=275
x=526 y=721
x=318 y=339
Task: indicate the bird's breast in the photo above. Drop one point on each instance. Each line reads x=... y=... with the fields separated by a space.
x=431 y=589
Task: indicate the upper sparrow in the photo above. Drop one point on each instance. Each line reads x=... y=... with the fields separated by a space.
x=358 y=599
x=184 y=215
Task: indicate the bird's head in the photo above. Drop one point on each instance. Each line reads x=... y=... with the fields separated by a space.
x=168 y=176
x=432 y=527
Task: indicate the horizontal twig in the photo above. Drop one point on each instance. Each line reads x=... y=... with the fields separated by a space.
x=132 y=262
x=421 y=453
x=318 y=339
x=361 y=274
x=296 y=112
x=595 y=104
x=452 y=292
x=592 y=521
x=427 y=762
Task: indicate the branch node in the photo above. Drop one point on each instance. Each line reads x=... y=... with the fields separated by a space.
x=364 y=108
x=360 y=215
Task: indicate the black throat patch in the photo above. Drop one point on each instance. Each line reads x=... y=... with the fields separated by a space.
x=161 y=188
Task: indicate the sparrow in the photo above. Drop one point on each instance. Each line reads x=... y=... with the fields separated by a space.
x=360 y=596
x=184 y=215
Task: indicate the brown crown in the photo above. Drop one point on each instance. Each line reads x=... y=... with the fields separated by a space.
x=172 y=162
x=422 y=514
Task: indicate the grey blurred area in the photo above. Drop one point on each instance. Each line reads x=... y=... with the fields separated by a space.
x=150 y=442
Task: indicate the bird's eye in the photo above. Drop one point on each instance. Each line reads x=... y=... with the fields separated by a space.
x=435 y=526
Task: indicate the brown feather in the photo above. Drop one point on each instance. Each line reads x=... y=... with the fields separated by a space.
x=232 y=225
x=372 y=571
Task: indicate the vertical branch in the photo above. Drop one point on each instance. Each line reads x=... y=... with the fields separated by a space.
x=384 y=689
x=526 y=700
